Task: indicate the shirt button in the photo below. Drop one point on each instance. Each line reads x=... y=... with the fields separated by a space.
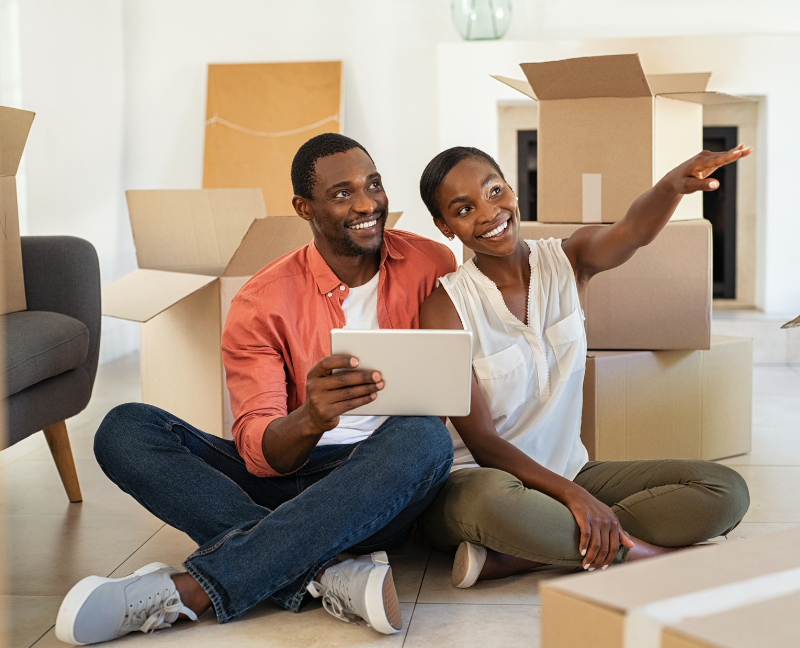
x=341 y=287
x=330 y=294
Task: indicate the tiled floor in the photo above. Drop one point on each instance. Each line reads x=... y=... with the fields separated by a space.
x=53 y=544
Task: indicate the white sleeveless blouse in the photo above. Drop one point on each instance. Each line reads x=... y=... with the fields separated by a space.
x=531 y=377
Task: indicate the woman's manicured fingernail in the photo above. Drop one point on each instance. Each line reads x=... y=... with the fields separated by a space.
x=591 y=568
x=713 y=184
x=583 y=552
x=586 y=566
x=605 y=566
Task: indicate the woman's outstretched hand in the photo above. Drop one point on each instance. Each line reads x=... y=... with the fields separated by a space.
x=601 y=533
x=692 y=175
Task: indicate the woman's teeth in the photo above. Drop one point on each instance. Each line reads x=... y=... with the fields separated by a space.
x=495 y=231
x=367 y=225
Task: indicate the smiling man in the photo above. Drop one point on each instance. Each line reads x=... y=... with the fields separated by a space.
x=302 y=481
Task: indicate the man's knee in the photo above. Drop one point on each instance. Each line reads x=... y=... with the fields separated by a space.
x=120 y=429
x=424 y=439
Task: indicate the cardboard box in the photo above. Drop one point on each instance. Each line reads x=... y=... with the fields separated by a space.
x=738 y=594
x=669 y=404
x=14 y=128
x=608 y=133
x=195 y=249
x=793 y=324
x=659 y=299
x=258 y=115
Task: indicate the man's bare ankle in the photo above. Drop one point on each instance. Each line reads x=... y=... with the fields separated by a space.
x=327 y=565
x=192 y=595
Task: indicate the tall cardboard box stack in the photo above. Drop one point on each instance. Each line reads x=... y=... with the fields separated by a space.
x=657 y=385
x=195 y=249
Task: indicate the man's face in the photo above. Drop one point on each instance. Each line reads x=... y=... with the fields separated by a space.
x=349 y=205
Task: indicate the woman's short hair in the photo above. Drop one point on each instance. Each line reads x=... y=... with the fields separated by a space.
x=434 y=174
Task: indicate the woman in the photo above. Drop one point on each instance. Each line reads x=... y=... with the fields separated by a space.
x=522 y=493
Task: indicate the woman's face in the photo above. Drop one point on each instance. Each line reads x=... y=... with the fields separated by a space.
x=479 y=208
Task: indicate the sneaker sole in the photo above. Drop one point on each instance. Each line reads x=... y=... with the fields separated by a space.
x=467 y=565
x=76 y=597
x=382 y=605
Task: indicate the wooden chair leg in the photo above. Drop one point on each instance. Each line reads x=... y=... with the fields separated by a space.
x=58 y=440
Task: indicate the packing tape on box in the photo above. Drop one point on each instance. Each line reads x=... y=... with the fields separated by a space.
x=643 y=625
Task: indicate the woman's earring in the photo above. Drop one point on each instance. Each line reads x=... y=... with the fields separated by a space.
x=451 y=237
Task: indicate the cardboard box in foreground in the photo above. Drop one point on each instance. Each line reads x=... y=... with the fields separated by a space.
x=14 y=128
x=608 y=133
x=669 y=404
x=739 y=594
x=659 y=299
x=195 y=249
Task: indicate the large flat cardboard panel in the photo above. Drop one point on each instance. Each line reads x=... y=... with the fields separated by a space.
x=618 y=75
x=769 y=624
x=258 y=115
x=568 y=621
x=668 y=404
x=608 y=136
x=727 y=397
x=143 y=294
x=15 y=125
x=181 y=361
x=619 y=591
x=691 y=82
x=12 y=295
x=191 y=230
x=659 y=299
x=678 y=134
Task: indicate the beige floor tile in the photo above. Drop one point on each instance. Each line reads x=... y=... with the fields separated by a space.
x=168 y=546
x=409 y=562
x=776 y=410
x=772 y=446
x=437 y=586
x=48 y=554
x=773 y=493
x=265 y=626
x=22 y=449
x=473 y=626
x=754 y=529
x=33 y=487
x=29 y=617
x=768 y=381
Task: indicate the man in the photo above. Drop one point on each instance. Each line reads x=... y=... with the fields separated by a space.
x=303 y=481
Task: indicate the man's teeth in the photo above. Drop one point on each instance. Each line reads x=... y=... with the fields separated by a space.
x=364 y=225
x=495 y=231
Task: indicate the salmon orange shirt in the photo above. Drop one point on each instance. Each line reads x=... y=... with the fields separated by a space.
x=278 y=327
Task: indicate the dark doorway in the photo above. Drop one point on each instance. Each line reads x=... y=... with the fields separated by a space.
x=526 y=170
x=719 y=207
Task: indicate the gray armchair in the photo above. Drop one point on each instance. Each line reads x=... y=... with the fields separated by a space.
x=52 y=348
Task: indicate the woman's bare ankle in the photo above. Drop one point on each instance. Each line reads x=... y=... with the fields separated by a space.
x=499 y=565
x=642 y=550
x=192 y=595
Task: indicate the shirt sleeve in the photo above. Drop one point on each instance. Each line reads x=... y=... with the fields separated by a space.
x=256 y=377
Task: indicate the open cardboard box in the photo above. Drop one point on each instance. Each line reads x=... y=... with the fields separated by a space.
x=659 y=299
x=14 y=128
x=195 y=249
x=738 y=594
x=608 y=133
x=669 y=404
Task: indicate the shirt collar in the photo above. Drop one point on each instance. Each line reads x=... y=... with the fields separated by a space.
x=326 y=278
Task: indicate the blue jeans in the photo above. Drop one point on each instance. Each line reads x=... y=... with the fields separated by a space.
x=268 y=537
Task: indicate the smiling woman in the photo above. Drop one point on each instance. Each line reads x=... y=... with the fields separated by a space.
x=522 y=493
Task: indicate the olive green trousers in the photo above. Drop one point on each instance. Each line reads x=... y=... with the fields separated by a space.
x=670 y=503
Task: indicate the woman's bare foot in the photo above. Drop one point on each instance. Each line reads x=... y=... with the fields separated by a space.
x=499 y=565
x=642 y=549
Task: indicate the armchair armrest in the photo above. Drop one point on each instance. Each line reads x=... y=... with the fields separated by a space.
x=62 y=275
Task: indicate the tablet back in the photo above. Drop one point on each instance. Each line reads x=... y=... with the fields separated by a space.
x=427 y=372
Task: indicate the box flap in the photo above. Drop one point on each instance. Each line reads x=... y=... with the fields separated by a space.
x=272 y=237
x=195 y=231
x=707 y=98
x=691 y=82
x=684 y=572
x=143 y=294
x=591 y=76
x=518 y=84
x=794 y=323
x=14 y=128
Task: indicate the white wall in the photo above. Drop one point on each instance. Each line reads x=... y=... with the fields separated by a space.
x=119 y=90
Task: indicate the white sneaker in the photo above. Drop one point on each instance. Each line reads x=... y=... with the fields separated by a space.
x=100 y=609
x=361 y=587
x=469 y=561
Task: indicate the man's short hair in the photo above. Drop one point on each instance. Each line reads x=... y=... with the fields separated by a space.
x=304 y=163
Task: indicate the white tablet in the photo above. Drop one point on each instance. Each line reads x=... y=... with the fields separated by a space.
x=427 y=373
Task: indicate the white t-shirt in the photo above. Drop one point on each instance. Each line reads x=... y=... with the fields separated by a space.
x=360 y=312
x=531 y=376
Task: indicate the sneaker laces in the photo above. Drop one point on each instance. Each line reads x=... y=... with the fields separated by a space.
x=334 y=597
x=156 y=612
